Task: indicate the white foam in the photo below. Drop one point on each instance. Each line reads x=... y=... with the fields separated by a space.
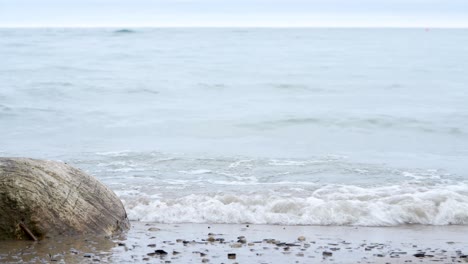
x=329 y=205
x=121 y=153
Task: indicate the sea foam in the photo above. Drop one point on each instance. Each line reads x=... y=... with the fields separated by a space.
x=329 y=205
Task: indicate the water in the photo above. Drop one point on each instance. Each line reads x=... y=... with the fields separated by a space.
x=273 y=126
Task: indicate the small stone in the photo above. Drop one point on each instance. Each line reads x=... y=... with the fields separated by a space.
x=420 y=255
x=175 y=252
x=231 y=256
x=236 y=245
x=211 y=239
x=153 y=229
x=327 y=254
x=160 y=252
x=152 y=245
x=87 y=255
x=301 y=238
x=120 y=244
x=205 y=260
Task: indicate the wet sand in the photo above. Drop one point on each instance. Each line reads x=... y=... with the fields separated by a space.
x=223 y=243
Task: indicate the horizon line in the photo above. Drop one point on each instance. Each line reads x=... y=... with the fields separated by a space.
x=224 y=26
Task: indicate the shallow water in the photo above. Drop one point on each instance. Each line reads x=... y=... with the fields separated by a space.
x=267 y=126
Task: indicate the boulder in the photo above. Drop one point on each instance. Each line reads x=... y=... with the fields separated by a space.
x=40 y=198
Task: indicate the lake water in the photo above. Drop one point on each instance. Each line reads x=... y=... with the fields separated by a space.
x=272 y=126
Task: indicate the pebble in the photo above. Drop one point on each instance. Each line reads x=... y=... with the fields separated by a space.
x=242 y=240
x=231 y=256
x=160 y=252
x=301 y=238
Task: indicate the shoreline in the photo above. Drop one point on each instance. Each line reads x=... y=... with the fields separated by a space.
x=212 y=243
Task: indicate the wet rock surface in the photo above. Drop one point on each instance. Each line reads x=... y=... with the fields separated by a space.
x=40 y=199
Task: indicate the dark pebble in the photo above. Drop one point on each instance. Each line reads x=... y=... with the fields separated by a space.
x=292 y=245
x=160 y=252
x=231 y=256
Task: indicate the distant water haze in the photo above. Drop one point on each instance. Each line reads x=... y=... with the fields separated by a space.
x=234 y=13
x=288 y=126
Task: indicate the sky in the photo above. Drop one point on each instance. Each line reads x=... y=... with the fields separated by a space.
x=234 y=13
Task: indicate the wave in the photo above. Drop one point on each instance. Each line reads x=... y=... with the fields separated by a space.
x=124 y=31
x=329 y=205
x=384 y=122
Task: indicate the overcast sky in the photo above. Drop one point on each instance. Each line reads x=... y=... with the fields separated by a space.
x=284 y=13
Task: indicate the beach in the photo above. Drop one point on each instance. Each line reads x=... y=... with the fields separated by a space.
x=245 y=243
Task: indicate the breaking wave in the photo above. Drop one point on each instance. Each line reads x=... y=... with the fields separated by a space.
x=328 y=205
